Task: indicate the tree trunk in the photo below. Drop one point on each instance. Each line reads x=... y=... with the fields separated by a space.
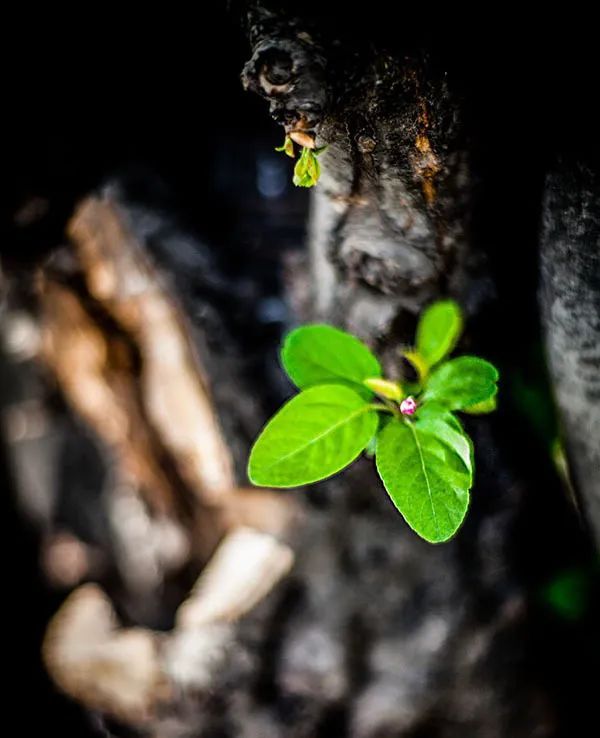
x=571 y=312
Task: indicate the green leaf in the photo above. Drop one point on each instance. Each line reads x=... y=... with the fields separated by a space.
x=385 y=388
x=482 y=408
x=438 y=421
x=425 y=480
x=314 y=435
x=418 y=363
x=463 y=382
x=321 y=354
x=438 y=331
x=313 y=167
x=307 y=169
x=287 y=147
x=371 y=447
x=303 y=179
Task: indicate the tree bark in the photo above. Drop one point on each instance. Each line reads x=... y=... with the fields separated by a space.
x=390 y=230
x=570 y=293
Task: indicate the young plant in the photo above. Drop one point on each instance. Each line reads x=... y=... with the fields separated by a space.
x=307 y=169
x=345 y=406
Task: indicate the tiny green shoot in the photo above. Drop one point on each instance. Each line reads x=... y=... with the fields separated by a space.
x=422 y=452
x=287 y=147
x=307 y=169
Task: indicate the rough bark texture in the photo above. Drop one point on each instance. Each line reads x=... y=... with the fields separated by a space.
x=570 y=253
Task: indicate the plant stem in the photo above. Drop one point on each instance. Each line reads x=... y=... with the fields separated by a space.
x=387 y=407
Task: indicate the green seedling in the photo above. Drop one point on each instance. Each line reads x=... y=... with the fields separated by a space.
x=346 y=407
x=307 y=169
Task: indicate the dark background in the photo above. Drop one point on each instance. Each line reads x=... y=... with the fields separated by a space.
x=155 y=104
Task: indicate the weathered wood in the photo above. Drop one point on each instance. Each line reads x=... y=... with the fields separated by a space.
x=140 y=676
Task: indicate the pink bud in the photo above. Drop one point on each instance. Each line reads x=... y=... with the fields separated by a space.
x=408 y=406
